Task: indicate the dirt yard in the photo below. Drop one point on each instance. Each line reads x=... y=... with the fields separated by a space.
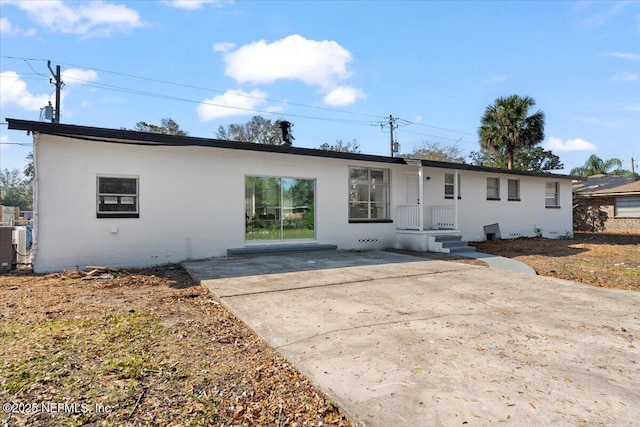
x=153 y=348
x=148 y=348
x=608 y=261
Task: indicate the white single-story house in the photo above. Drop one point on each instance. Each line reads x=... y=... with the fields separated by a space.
x=122 y=198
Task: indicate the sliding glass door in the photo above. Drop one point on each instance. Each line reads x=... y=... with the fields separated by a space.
x=279 y=208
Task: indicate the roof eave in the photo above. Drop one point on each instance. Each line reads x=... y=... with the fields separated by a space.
x=124 y=136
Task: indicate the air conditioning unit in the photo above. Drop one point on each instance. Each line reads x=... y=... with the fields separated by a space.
x=7 y=254
x=21 y=244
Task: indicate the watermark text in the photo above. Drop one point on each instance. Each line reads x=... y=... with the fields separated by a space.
x=54 y=407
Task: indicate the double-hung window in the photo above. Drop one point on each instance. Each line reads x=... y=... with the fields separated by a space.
x=493 y=188
x=551 y=196
x=513 y=190
x=117 y=197
x=369 y=194
x=449 y=186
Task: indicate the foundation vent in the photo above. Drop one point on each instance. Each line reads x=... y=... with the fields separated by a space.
x=368 y=240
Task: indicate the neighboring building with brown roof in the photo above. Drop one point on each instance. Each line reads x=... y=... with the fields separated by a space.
x=609 y=204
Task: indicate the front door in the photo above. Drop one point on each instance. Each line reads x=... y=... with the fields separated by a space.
x=411 y=188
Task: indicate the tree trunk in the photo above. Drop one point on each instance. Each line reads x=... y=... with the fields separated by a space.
x=510 y=164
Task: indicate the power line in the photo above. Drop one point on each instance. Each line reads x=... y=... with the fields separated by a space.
x=222 y=92
x=192 y=101
x=437 y=136
x=444 y=129
x=32 y=69
x=396 y=120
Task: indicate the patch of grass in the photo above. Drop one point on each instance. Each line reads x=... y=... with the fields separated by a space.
x=105 y=358
x=152 y=347
x=632 y=273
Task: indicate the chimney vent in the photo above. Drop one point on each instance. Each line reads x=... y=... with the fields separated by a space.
x=285 y=127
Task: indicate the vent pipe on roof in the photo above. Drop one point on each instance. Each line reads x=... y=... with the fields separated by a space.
x=285 y=127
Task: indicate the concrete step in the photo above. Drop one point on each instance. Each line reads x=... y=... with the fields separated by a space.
x=454 y=243
x=280 y=249
x=465 y=248
x=447 y=237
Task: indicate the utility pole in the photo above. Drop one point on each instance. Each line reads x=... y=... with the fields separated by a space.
x=58 y=83
x=392 y=125
x=633 y=167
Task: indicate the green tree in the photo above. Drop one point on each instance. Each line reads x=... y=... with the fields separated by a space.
x=506 y=126
x=16 y=190
x=433 y=151
x=167 y=127
x=29 y=171
x=527 y=159
x=11 y=178
x=596 y=166
x=258 y=130
x=349 y=147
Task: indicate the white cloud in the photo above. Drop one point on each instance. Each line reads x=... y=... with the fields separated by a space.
x=343 y=95
x=76 y=76
x=231 y=103
x=417 y=119
x=625 y=55
x=223 y=47
x=624 y=77
x=193 y=4
x=577 y=144
x=84 y=18
x=5 y=26
x=316 y=63
x=632 y=107
x=13 y=92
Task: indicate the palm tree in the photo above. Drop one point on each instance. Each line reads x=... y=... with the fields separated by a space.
x=596 y=166
x=507 y=127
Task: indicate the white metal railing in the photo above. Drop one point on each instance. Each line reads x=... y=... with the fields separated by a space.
x=442 y=217
x=409 y=217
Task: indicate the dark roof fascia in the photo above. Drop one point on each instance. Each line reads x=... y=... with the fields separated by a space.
x=124 y=136
x=475 y=168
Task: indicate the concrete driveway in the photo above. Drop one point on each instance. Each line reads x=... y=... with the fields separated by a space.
x=397 y=340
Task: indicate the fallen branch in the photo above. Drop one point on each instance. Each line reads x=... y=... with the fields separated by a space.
x=144 y=390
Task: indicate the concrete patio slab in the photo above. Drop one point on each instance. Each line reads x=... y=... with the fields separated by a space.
x=400 y=340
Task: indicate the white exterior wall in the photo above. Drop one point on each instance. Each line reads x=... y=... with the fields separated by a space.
x=191 y=202
x=516 y=218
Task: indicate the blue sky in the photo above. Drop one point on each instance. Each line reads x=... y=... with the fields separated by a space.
x=336 y=69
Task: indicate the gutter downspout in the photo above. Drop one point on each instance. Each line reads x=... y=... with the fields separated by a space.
x=36 y=202
x=421 y=198
x=456 y=177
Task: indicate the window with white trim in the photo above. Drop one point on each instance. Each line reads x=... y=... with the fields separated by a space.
x=449 y=187
x=369 y=194
x=117 y=197
x=493 y=188
x=513 y=190
x=627 y=207
x=551 y=195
